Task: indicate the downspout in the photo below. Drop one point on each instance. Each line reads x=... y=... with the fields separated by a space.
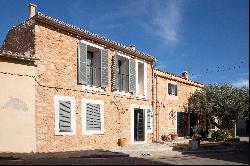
x=156 y=111
x=153 y=105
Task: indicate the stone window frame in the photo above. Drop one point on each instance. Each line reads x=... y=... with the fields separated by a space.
x=73 y=114
x=83 y=111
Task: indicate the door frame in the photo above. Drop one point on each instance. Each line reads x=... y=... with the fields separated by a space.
x=132 y=108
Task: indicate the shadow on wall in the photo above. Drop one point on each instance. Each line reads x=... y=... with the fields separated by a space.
x=86 y=157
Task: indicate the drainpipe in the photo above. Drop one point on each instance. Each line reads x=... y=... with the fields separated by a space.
x=156 y=109
x=158 y=121
x=153 y=105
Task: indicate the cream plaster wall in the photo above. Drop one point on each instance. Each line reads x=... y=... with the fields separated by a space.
x=17 y=107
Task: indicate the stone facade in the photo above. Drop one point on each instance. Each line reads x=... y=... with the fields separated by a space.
x=20 y=39
x=56 y=75
x=58 y=68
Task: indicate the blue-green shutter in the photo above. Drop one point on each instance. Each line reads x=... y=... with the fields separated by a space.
x=104 y=68
x=93 y=117
x=169 y=88
x=148 y=119
x=132 y=81
x=116 y=71
x=175 y=90
x=64 y=116
x=82 y=63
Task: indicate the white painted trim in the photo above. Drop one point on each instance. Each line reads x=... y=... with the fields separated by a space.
x=73 y=114
x=122 y=93
x=132 y=107
x=92 y=88
x=122 y=55
x=91 y=44
x=144 y=96
x=92 y=132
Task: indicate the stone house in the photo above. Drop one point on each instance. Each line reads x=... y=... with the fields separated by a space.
x=66 y=89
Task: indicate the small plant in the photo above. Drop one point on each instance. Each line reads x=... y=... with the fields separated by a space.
x=196 y=137
x=174 y=136
x=174 y=133
x=221 y=135
x=166 y=137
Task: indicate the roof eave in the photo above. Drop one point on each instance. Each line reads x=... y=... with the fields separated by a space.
x=72 y=30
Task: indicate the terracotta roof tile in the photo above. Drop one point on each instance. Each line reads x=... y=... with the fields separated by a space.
x=24 y=56
x=39 y=14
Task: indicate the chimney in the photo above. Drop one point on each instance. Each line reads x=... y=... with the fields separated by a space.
x=32 y=10
x=132 y=46
x=185 y=75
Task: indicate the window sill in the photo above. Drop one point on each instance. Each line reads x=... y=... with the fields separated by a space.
x=122 y=93
x=141 y=96
x=93 y=133
x=173 y=97
x=138 y=142
x=58 y=133
x=92 y=88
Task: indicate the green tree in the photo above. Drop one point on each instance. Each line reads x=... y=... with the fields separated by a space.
x=221 y=101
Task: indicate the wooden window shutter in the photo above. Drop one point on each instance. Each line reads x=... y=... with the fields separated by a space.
x=82 y=63
x=169 y=88
x=132 y=81
x=93 y=117
x=115 y=72
x=104 y=68
x=148 y=119
x=64 y=116
x=175 y=90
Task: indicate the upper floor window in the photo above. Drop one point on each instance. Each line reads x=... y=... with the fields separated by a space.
x=141 y=78
x=172 y=89
x=124 y=73
x=92 y=65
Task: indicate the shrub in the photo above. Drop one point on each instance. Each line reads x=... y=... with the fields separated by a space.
x=221 y=135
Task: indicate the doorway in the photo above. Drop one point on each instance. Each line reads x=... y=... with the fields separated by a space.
x=139 y=124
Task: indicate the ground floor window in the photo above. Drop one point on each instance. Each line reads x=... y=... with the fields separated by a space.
x=92 y=116
x=65 y=122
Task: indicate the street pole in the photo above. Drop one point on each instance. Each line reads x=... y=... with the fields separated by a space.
x=235 y=129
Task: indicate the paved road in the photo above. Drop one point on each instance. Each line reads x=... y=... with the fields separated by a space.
x=240 y=156
x=84 y=161
x=226 y=158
